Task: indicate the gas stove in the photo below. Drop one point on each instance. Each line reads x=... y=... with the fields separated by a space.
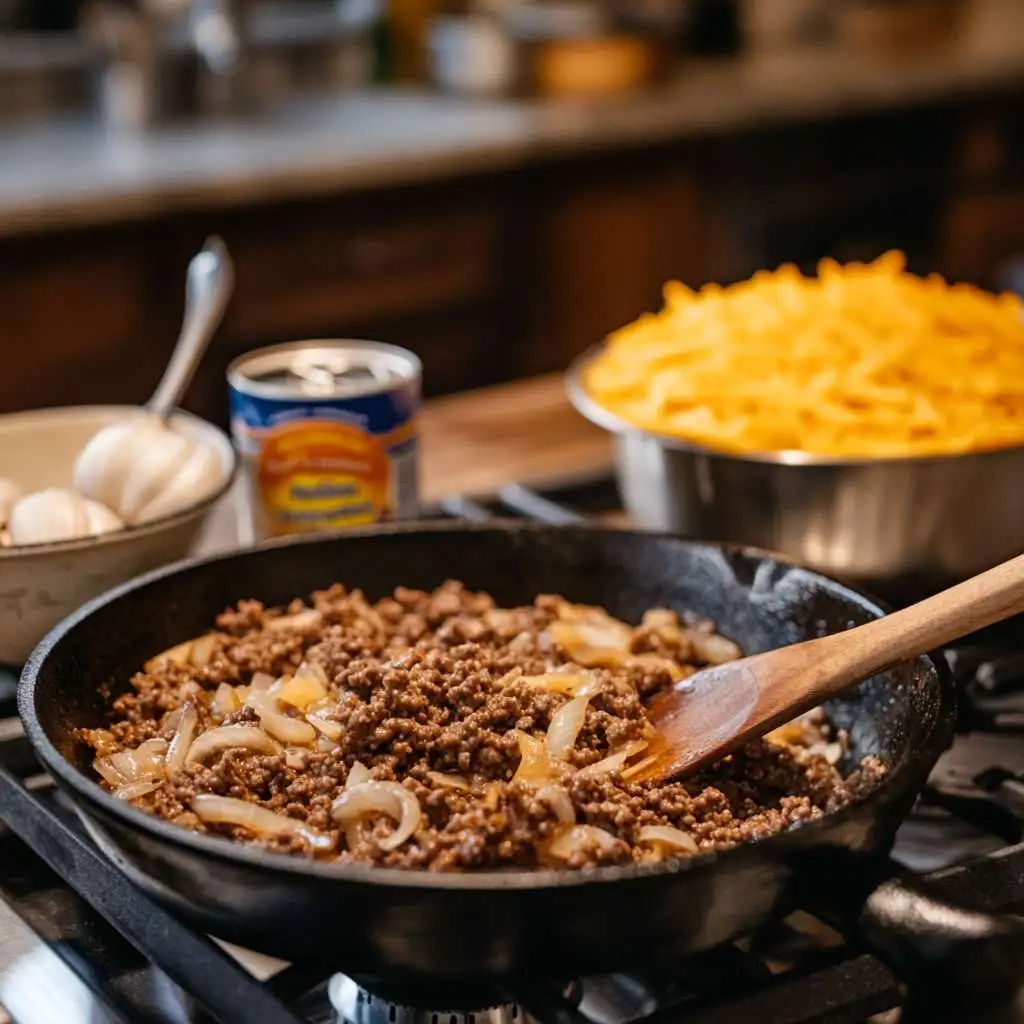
x=80 y=945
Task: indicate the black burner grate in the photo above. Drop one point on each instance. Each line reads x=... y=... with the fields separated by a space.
x=138 y=963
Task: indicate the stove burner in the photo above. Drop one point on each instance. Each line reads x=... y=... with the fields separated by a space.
x=356 y=1005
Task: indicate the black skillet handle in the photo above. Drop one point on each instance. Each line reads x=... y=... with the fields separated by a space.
x=960 y=966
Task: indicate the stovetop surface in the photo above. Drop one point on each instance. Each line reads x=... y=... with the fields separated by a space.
x=61 y=962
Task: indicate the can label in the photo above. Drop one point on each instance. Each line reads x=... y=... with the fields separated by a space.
x=331 y=463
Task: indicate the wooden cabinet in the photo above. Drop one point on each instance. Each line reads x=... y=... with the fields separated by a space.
x=606 y=242
x=83 y=320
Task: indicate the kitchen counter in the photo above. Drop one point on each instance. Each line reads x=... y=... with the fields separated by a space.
x=472 y=444
x=75 y=174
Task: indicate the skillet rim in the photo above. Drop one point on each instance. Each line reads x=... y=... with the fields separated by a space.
x=251 y=857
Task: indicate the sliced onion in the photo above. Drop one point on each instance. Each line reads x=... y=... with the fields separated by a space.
x=178 y=654
x=666 y=836
x=295 y=758
x=261 y=681
x=306 y=687
x=579 y=839
x=630 y=773
x=791 y=734
x=591 y=645
x=133 y=790
x=832 y=752
x=357 y=775
x=203 y=650
x=448 y=781
x=565 y=727
x=368 y=799
x=535 y=762
x=656 y=663
x=197 y=652
x=329 y=728
x=514 y=673
x=305 y=621
x=613 y=762
x=106 y=770
x=714 y=649
x=325 y=744
x=225 y=700
x=227 y=810
x=572 y=684
x=492 y=794
x=145 y=762
x=292 y=731
x=558 y=799
x=181 y=741
x=230 y=737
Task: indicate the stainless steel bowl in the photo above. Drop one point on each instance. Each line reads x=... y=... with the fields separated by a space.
x=900 y=527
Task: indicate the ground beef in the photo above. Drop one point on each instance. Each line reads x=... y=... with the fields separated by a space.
x=435 y=692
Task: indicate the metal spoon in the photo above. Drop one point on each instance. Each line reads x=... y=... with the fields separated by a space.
x=208 y=287
x=719 y=709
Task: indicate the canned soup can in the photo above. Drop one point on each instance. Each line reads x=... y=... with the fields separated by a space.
x=327 y=434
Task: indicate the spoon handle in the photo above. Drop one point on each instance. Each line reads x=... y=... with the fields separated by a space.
x=978 y=602
x=207 y=290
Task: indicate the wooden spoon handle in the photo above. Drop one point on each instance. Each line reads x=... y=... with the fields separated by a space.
x=978 y=602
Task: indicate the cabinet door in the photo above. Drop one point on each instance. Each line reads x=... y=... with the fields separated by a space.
x=607 y=240
x=83 y=320
x=984 y=235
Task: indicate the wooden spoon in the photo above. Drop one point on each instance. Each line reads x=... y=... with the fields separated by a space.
x=719 y=709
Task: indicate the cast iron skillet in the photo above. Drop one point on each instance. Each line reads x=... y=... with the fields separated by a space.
x=394 y=925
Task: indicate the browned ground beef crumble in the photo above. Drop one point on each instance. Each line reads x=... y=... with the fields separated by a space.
x=427 y=686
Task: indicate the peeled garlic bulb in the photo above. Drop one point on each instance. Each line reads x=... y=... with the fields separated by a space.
x=54 y=515
x=143 y=469
x=10 y=492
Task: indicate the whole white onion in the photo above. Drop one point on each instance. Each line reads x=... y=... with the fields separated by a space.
x=144 y=469
x=46 y=517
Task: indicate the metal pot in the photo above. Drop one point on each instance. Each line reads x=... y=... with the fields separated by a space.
x=899 y=527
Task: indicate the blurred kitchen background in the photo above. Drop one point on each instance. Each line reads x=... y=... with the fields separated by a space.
x=494 y=184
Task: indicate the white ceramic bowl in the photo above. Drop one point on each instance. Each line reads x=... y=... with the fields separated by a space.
x=41 y=583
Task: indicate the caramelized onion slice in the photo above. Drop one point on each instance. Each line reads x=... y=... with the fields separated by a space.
x=197 y=652
x=368 y=799
x=558 y=799
x=714 y=649
x=592 y=645
x=329 y=728
x=613 y=762
x=535 y=763
x=134 y=790
x=181 y=741
x=261 y=681
x=574 y=839
x=106 y=770
x=306 y=687
x=635 y=769
x=144 y=763
x=178 y=654
x=666 y=836
x=225 y=700
x=305 y=621
x=443 y=781
x=357 y=775
x=565 y=727
x=230 y=737
x=292 y=731
x=227 y=810
x=572 y=684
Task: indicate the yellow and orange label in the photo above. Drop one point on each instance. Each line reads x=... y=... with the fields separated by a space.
x=322 y=474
